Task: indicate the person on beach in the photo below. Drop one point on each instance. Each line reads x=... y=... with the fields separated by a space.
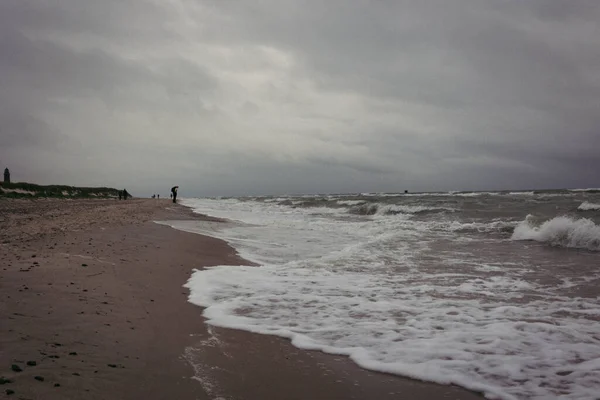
x=174 y=193
x=158 y=196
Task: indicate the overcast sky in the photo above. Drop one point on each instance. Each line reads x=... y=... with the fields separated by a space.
x=235 y=97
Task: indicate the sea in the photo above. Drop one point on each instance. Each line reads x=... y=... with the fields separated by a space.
x=497 y=292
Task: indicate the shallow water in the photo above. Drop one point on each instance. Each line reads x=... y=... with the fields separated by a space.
x=495 y=292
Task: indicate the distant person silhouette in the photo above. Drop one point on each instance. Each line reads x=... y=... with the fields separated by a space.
x=174 y=193
x=158 y=196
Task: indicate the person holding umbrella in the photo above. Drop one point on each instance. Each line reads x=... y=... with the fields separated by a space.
x=174 y=193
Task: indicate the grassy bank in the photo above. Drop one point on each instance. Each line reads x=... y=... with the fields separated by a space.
x=31 y=190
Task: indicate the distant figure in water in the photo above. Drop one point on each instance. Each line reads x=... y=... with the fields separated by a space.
x=158 y=196
x=174 y=193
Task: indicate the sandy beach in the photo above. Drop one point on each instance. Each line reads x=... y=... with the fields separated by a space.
x=93 y=308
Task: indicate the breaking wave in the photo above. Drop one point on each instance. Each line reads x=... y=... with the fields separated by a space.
x=561 y=232
x=444 y=298
x=393 y=209
x=350 y=202
x=499 y=226
x=364 y=209
x=587 y=206
x=521 y=193
x=590 y=190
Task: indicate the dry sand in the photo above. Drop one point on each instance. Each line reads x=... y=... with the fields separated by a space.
x=92 y=294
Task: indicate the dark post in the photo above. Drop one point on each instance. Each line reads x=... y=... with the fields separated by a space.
x=6 y=175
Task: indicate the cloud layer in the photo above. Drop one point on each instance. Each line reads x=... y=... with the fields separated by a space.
x=289 y=96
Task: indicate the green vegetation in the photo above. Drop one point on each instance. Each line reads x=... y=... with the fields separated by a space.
x=31 y=190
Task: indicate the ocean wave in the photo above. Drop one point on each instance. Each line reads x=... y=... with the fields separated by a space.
x=315 y=202
x=561 y=232
x=593 y=190
x=545 y=195
x=521 y=193
x=494 y=226
x=587 y=206
x=393 y=209
x=413 y=296
x=364 y=209
x=350 y=202
x=506 y=351
x=474 y=194
x=274 y=200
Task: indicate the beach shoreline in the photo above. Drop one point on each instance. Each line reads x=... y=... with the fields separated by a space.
x=94 y=296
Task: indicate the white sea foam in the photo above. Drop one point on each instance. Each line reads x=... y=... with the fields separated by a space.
x=275 y=200
x=585 y=190
x=552 y=195
x=350 y=202
x=370 y=287
x=560 y=231
x=508 y=352
x=587 y=206
x=491 y=226
x=364 y=208
x=475 y=194
x=521 y=193
x=385 y=209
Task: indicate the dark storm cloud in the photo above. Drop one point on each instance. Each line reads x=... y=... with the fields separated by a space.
x=113 y=20
x=23 y=130
x=57 y=70
x=234 y=97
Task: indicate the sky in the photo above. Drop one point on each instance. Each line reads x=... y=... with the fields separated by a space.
x=237 y=97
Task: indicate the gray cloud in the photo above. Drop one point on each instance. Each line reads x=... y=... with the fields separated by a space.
x=289 y=96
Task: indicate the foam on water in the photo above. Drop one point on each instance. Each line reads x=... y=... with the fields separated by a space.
x=398 y=209
x=560 y=231
x=476 y=194
x=507 y=352
x=522 y=193
x=492 y=226
x=587 y=206
x=363 y=208
x=350 y=202
x=585 y=190
x=375 y=288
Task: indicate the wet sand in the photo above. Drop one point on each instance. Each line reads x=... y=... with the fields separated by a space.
x=92 y=294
